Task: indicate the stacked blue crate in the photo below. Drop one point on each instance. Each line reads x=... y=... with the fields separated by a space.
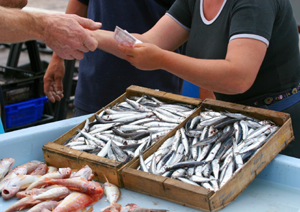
x=190 y=90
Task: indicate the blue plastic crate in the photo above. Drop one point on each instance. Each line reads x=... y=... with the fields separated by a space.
x=26 y=112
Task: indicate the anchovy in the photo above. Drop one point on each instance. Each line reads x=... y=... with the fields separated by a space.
x=121 y=156
x=187 y=181
x=186 y=164
x=105 y=149
x=142 y=162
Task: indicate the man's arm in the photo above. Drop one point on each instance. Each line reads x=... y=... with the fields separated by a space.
x=13 y=3
x=64 y=34
x=53 y=86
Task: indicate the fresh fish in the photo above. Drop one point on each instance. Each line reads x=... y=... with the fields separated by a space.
x=152 y=168
x=76 y=184
x=76 y=201
x=237 y=156
x=42 y=169
x=213 y=121
x=199 y=179
x=165 y=118
x=137 y=106
x=112 y=208
x=35 y=191
x=105 y=149
x=214 y=183
x=121 y=155
x=24 y=203
x=178 y=173
x=228 y=173
x=52 y=169
x=32 y=165
x=85 y=172
x=15 y=171
x=142 y=162
x=112 y=192
x=185 y=142
x=11 y=188
x=5 y=166
x=50 y=205
x=216 y=168
x=55 y=193
x=60 y=174
x=187 y=181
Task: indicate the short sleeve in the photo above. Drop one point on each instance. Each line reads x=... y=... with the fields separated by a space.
x=86 y=2
x=254 y=17
x=182 y=11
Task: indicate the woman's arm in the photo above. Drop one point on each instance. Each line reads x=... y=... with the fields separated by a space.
x=233 y=75
x=166 y=34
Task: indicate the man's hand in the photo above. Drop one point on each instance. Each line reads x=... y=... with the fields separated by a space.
x=69 y=36
x=53 y=87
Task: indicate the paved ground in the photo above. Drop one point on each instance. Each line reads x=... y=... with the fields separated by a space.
x=59 y=5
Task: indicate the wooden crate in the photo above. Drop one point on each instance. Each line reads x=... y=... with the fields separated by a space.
x=57 y=155
x=201 y=198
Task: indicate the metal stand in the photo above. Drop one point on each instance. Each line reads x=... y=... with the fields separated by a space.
x=52 y=112
x=61 y=107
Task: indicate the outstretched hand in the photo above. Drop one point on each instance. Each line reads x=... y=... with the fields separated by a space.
x=53 y=86
x=144 y=56
x=69 y=35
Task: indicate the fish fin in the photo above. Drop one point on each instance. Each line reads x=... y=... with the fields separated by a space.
x=91 y=209
x=106 y=180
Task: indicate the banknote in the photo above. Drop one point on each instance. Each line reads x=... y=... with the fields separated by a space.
x=124 y=37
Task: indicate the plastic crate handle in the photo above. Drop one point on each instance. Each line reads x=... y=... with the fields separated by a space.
x=26 y=106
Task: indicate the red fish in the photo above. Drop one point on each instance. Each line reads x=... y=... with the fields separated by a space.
x=86 y=172
x=114 y=207
x=15 y=184
x=60 y=174
x=32 y=165
x=42 y=169
x=5 y=166
x=49 y=205
x=35 y=191
x=76 y=184
x=76 y=201
x=26 y=202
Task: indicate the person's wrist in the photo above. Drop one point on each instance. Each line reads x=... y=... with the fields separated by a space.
x=41 y=21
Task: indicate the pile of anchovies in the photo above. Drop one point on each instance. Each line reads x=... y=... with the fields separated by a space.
x=209 y=149
x=124 y=130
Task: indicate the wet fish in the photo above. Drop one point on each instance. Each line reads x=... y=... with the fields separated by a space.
x=85 y=172
x=60 y=174
x=50 y=205
x=76 y=184
x=11 y=188
x=76 y=201
x=5 y=166
x=42 y=169
x=112 y=192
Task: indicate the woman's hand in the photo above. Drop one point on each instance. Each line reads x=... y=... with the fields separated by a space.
x=144 y=56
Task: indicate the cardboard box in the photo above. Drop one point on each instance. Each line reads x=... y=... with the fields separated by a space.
x=57 y=155
x=200 y=198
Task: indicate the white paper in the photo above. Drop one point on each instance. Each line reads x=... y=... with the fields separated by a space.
x=124 y=38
